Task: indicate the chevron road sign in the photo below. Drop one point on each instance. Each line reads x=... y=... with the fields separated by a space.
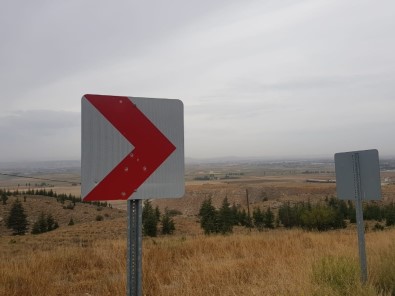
x=132 y=148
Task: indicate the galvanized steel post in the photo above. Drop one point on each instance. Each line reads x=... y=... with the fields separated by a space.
x=134 y=256
x=359 y=216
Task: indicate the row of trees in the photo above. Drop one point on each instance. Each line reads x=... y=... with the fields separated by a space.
x=319 y=217
x=375 y=212
x=222 y=220
x=61 y=197
x=330 y=214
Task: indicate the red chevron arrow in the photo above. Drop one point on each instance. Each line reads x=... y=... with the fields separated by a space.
x=152 y=148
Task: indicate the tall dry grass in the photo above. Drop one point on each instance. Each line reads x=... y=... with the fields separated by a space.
x=281 y=262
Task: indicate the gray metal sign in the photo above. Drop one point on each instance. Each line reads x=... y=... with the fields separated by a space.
x=369 y=174
x=358 y=179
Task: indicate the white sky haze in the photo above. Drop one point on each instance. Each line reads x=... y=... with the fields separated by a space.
x=259 y=78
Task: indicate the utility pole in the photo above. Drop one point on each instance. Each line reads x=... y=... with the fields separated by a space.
x=248 y=210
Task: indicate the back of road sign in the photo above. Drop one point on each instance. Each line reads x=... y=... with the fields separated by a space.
x=369 y=174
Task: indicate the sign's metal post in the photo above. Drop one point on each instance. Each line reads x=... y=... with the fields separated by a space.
x=134 y=256
x=359 y=216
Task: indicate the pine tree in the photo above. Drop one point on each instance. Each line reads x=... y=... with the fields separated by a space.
x=36 y=228
x=157 y=213
x=390 y=215
x=42 y=223
x=50 y=222
x=168 y=226
x=351 y=212
x=259 y=218
x=225 y=217
x=150 y=219
x=208 y=217
x=269 y=218
x=4 y=198
x=243 y=218
x=235 y=214
x=17 y=219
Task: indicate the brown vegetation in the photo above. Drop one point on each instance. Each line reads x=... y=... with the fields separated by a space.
x=35 y=205
x=90 y=259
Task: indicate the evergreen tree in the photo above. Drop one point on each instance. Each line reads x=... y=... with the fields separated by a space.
x=4 y=198
x=208 y=217
x=157 y=213
x=150 y=219
x=269 y=218
x=17 y=219
x=42 y=223
x=244 y=220
x=167 y=224
x=286 y=215
x=351 y=212
x=259 y=219
x=225 y=217
x=390 y=215
x=36 y=228
x=50 y=222
x=235 y=214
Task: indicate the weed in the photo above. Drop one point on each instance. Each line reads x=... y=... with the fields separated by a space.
x=339 y=276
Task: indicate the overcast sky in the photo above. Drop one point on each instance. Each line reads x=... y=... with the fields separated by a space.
x=262 y=78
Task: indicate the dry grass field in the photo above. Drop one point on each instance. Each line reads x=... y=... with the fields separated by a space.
x=89 y=258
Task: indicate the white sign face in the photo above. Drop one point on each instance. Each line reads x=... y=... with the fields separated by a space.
x=368 y=172
x=132 y=148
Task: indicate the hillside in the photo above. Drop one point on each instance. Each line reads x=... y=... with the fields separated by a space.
x=35 y=205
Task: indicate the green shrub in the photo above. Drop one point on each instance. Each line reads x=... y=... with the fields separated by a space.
x=69 y=206
x=173 y=212
x=378 y=227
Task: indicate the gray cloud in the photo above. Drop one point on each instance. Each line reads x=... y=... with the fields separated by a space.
x=257 y=78
x=40 y=134
x=46 y=41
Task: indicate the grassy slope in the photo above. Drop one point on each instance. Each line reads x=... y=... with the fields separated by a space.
x=34 y=205
x=90 y=259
